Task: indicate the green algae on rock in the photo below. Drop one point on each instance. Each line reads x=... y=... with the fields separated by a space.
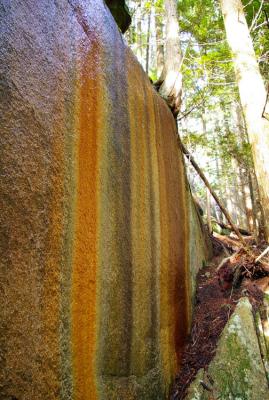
x=237 y=369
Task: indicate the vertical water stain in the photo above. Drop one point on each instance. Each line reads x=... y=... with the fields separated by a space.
x=142 y=360
x=114 y=249
x=85 y=241
x=153 y=218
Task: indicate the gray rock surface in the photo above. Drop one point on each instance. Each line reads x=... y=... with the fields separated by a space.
x=237 y=369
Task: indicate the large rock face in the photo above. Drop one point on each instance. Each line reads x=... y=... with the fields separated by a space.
x=95 y=212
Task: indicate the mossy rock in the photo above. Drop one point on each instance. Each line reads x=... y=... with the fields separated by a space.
x=237 y=370
x=120 y=12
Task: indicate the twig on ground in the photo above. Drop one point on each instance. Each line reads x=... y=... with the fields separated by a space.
x=262 y=254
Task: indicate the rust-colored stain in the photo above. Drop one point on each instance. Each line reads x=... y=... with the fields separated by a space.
x=95 y=222
x=85 y=256
x=143 y=340
x=174 y=262
x=159 y=231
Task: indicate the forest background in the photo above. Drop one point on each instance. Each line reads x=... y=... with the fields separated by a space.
x=210 y=116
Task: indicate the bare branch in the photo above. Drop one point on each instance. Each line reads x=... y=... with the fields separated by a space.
x=257 y=16
x=206 y=182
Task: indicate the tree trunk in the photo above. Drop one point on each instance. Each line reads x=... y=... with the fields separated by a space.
x=148 y=42
x=159 y=44
x=246 y=201
x=266 y=107
x=252 y=94
x=254 y=205
x=259 y=209
x=208 y=210
x=139 y=32
x=247 y=171
x=217 y=159
x=171 y=79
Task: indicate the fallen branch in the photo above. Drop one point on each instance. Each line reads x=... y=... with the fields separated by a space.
x=219 y=246
x=227 y=241
x=218 y=201
x=265 y=113
x=190 y=110
x=262 y=255
x=224 y=226
x=266 y=17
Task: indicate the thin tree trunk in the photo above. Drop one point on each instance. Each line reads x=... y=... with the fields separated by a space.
x=266 y=106
x=228 y=199
x=159 y=44
x=245 y=198
x=208 y=210
x=254 y=205
x=139 y=32
x=247 y=174
x=148 y=42
x=252 y=94
x=171 y=79
x=218 y=170
x=260 y=213
x=208 y=196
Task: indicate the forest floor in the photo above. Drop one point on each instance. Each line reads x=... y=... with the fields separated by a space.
x=214 y=303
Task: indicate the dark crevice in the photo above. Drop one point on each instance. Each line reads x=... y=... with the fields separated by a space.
x=120 y=12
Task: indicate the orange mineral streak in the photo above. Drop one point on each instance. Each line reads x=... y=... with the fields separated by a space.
x=142 y=229
x=85 y=259
x=166 y=317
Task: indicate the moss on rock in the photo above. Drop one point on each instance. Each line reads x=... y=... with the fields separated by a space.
x=237 y=369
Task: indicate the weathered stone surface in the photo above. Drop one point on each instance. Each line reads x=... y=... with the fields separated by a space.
x=262 y=325
x=237 y=369
x=261 y=333
x=198 y=245
x=95 y=212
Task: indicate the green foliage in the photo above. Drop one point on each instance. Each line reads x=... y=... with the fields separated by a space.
x=208 y=122
x=257 y=14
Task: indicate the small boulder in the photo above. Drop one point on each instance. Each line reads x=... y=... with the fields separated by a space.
x=237 y=371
